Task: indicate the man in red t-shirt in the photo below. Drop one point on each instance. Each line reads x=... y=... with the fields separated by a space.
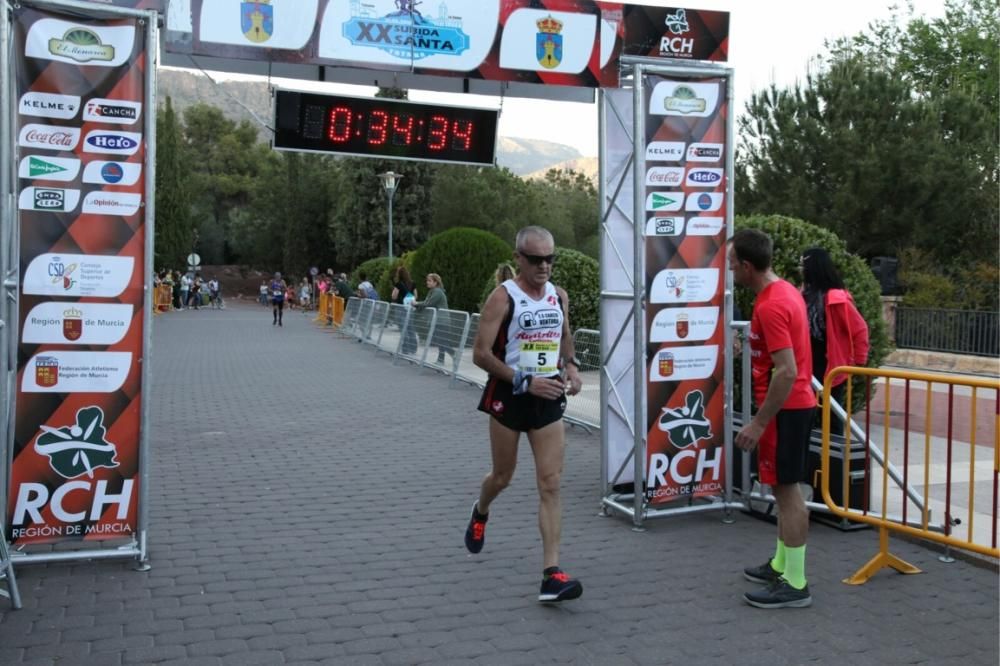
x=781 y=365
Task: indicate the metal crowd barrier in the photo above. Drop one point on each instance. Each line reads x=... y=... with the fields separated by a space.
x=941 y=447
x=418 y=336
x=7 y=572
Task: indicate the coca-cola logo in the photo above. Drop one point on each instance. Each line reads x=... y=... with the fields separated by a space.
x=51 y=138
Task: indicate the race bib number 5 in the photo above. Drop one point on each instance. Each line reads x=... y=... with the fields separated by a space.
x=539 y=358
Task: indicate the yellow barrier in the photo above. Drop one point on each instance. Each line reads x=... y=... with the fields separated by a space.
x=162 y=299
x=937 y=432
x=321 y=308
x=336 y=311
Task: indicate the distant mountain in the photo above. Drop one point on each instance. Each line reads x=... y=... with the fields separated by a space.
x=237 y=99
x=588 y=166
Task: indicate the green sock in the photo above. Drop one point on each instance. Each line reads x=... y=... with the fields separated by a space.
x=795 y=566
x=778 y=561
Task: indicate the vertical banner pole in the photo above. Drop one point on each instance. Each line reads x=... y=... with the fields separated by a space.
x=727 y=317
x=6 y=233
x=602 y=157
x=152 y=56
x=639 y=286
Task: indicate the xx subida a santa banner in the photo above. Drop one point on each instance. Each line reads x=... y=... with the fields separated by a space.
x=685 y=236
x=80 y=122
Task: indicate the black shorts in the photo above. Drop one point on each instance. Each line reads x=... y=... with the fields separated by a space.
x=783 y=449
x=519 y=412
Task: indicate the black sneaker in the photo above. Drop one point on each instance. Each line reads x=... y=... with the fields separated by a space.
x=558 y=586
x=764 y=574
x=779 y=595
x=475 y=533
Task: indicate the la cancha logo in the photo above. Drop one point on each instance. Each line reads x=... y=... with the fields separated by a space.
x=79 y=448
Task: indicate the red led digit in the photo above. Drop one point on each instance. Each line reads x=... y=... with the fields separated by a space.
x=340 y=124
x=438 y=133
x=378 y=128
x=402 y=129
x=461 y=135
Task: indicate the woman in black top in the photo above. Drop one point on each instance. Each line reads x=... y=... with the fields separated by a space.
x=403 y=293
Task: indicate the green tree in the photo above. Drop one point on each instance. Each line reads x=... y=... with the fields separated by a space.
x=173 y=208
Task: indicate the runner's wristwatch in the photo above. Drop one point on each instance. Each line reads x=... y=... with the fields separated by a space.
x=574 y=361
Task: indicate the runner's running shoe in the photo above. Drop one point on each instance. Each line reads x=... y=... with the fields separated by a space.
x=764 y=574
x=475 y=533
x=779 y=595
x=558 y=586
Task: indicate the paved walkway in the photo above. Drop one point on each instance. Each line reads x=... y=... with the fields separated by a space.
x=308 y=500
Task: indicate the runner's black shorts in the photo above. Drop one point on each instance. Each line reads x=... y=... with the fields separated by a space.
x=519 y=412
x=783 y=449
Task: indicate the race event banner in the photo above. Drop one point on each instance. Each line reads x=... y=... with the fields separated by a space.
x=550 y=42
x=81 y=167
x=685 y=253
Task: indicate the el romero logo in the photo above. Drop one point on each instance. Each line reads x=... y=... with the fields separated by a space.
x=76 y=44
x=48 y=137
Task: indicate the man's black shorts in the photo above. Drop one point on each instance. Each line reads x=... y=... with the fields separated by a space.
x=519 y=412
x=783 y=449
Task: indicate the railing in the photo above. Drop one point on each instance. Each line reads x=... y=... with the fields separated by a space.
x=955 y=331
x=944 y=433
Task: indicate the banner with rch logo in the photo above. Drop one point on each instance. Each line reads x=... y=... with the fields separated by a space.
x=685 y=248
x=82 y=166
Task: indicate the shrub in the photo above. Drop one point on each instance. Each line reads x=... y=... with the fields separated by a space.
x=374 y=269
x=464 y=258
x=579 y=275
x=791 y=237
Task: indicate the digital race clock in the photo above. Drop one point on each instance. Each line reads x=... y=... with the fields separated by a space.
x=388 y=128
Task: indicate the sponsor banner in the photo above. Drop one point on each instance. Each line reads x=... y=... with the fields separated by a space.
x=705 y=226
x=676 y=33
x=684 y=324
x=48 y=137
x=100 y=172
x=542 y=40
x=664 y=201
x=685 y=290
x=705 y=152
x=43 y=167
x=114 y=111
x=112 y=142
x=683 y=363
x=76 y=372
x=665 y=226
x=48 y=105
x=277 y=24
x=112 y=203
x=77 y=418
x=685 y=285
x=48 y=199
x=684 y=98
x=77 y=323
x=703 y=177
x=665 y=151
x=79 y=44
x=698 y=202
x=56 y=274
x=661 y=176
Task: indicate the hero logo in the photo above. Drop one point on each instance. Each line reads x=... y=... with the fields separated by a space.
x=47 y=137
x=540 y=319
x=704 y=177
x=704 y=152
x=117 y=143
x=670 y=176
x=114 y=111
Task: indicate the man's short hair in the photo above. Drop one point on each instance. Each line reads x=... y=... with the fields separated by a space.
x=534 y=230
x=755 y=246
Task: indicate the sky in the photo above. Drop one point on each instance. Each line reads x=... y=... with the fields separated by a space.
x=769 y=41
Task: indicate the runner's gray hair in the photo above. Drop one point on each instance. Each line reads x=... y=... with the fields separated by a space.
x=534 y=230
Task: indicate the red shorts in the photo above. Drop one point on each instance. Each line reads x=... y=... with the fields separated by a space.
x=783 y=449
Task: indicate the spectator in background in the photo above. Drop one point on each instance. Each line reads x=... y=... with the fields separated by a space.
x=343 y=287
x=365 y=288
x=837 y=331
x=290 y=296
x=214 y=295
x=503 y=273
x=185 y=289
x=263 y=297
x=443 y=328
x=404 y=293
x=305 y=294
x=194 y=295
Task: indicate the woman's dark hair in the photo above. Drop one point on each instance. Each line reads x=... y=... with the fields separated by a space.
x=403 y=275
x=818 y=271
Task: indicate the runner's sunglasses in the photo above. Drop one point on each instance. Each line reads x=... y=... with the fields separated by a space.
x=537 y=259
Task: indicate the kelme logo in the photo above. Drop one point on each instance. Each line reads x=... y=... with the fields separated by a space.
x=79 y=448
x=81 y=45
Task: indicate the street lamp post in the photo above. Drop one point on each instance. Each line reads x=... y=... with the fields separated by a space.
x=390 y=181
